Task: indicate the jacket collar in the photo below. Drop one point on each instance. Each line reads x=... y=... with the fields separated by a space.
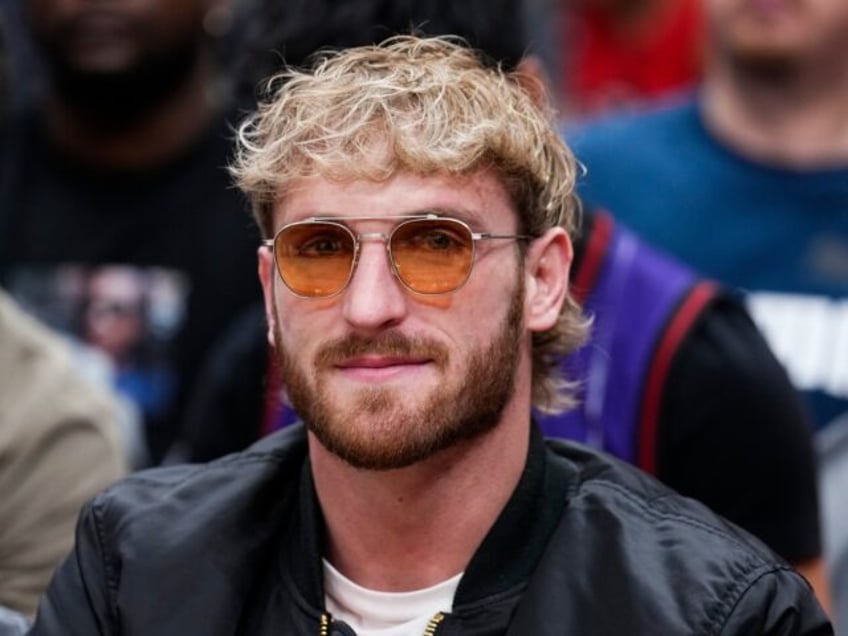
x=503 y=562
x=513 y=546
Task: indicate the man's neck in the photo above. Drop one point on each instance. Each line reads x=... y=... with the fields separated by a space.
x=408 y=529
x=798 y=120
x=142 y=141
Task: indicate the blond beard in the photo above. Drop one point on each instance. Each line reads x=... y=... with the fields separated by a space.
x=390 y=433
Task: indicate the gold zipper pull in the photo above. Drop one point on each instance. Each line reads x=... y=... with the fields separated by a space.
x=433 y=624
x=330 y=626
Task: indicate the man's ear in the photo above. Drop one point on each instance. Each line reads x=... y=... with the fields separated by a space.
x=267 y=273
x=547 y=264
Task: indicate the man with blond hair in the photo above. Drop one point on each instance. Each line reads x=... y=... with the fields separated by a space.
x=417 y=206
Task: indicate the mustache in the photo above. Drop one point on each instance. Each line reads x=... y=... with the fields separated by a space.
x=388 y=343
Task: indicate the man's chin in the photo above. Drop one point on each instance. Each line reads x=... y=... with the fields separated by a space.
x=372 y=449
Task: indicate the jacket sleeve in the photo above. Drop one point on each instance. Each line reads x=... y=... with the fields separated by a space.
x=78 y=599
x=778 y=603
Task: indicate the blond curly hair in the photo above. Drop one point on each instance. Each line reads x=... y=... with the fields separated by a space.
x=425 y=106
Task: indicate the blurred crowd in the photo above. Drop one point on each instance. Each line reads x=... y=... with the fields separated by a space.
x=713 y=132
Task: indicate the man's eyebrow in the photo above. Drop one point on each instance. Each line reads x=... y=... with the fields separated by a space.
x=472 y=217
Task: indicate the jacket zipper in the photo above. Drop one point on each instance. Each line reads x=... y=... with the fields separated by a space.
x=432 y=626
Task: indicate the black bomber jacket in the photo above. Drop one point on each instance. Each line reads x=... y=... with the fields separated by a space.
x=586 y=545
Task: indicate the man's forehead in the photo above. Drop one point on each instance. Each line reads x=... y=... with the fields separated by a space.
x=477 y=197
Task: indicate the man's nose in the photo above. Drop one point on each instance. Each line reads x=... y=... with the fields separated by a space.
x=374 y=298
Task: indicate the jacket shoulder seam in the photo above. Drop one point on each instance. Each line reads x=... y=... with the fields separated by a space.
x=735 y=593
x=645 y=505
x=112 y=576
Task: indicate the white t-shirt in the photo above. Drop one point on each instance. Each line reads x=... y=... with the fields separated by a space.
x=372 y=613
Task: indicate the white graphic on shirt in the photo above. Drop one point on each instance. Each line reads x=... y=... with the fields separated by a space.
x=809 y=335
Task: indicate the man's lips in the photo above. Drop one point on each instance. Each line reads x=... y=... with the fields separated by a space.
x=390 y=356
x=379 y=362
x=380 y=366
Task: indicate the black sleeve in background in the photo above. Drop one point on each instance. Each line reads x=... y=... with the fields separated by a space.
x=224 y=414
x=734 y=434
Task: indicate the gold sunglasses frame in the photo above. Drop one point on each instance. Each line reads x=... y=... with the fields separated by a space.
x=359 y=238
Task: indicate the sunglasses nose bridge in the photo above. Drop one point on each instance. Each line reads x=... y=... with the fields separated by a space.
x=372 y=237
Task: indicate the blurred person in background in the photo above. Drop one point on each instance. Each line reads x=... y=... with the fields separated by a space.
x=748 y=180
x=621 y=54
x=122 y=165
x=60 y=443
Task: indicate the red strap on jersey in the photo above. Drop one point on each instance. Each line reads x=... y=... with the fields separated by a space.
x=597 y=244
x=679 y=325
